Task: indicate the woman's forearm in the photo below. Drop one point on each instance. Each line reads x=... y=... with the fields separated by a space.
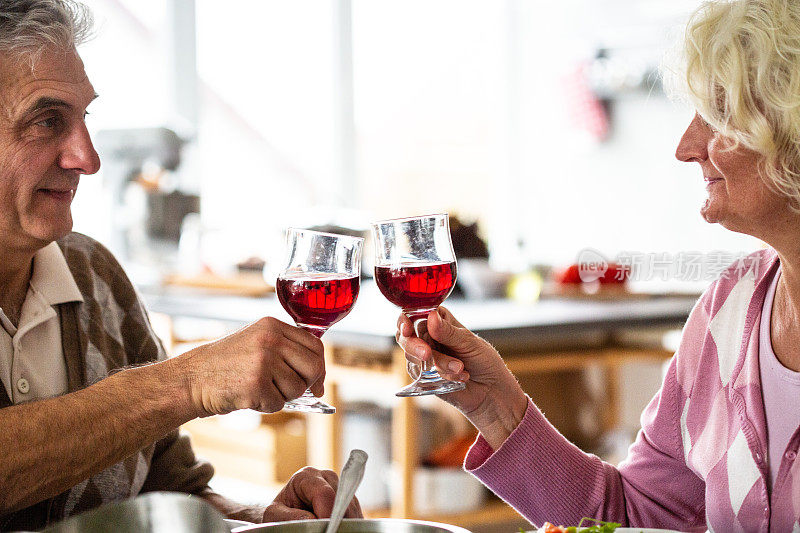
x=497 y=419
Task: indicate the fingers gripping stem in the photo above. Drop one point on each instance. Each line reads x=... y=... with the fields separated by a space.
x=421 y=331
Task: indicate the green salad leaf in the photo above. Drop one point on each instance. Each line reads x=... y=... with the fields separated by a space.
x=599 y=526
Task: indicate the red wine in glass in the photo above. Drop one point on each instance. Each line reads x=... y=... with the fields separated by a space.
x=415 y=269
x=417 y=288
x=317 y=301
x=318 y=285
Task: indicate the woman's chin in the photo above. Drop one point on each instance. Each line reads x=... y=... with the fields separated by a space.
x=727 y=220
x=708 y=212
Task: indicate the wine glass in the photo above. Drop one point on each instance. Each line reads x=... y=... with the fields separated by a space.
x=415 y=269
x=318 y=285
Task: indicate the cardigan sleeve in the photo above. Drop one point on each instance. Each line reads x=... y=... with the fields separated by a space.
x=547 y=478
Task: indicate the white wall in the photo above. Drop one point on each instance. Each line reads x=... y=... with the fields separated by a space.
x=461 y=105
x=624 y=193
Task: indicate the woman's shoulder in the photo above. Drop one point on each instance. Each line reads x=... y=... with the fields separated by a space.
x=739 y=280
x=719 y=321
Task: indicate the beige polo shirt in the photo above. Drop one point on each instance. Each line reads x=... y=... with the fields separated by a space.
x=32 y=362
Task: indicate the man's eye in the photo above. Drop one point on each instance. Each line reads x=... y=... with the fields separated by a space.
x=48 y=122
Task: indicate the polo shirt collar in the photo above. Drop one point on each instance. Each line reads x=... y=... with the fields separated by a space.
x=52 y=278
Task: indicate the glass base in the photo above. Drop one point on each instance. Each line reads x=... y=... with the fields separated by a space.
x=308 y=403
x=425 y=386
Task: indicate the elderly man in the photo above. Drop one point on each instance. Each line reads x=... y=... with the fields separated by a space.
x=77 y=430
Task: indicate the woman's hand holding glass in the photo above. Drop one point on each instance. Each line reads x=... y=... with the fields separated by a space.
x=493 y=400
x=415 y=269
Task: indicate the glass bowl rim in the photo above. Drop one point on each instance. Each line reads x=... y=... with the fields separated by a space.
x=324 y=233
x=403 y=219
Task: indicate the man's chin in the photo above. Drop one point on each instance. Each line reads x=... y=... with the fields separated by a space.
x=47 y=233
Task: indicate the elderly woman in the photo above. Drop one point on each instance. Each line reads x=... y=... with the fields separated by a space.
x=718 y=445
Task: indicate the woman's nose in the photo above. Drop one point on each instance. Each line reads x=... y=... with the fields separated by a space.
x=693 y=146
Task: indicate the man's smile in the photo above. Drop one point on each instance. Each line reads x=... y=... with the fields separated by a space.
x=59 y=194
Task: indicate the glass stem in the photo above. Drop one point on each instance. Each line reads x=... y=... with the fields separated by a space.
x=421 y=331
x=314 y=330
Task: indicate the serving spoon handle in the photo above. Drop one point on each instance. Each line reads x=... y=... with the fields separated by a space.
x=349 y=480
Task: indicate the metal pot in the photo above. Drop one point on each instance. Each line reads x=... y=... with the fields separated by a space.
x=155 y=512
x=353 y=525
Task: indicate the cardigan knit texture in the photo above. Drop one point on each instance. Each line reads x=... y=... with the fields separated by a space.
x=700 y=460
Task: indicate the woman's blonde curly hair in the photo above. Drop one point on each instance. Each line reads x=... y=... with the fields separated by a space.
x=742 y=73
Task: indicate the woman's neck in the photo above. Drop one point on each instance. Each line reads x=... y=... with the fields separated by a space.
x=790 y=272
x=784 y=331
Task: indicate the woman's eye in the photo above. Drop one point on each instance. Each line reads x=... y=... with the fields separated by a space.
x=709 y=126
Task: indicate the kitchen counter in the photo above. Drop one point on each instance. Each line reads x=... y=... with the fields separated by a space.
x=371 y=324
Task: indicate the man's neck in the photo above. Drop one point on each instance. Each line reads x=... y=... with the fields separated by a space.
x=15 y=275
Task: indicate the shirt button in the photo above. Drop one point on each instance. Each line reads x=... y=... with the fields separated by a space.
x=758 y=457
x=791 y=455
x=23 y=386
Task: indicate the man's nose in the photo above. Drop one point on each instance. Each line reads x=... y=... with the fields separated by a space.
x=693 y=146
x=78 y=153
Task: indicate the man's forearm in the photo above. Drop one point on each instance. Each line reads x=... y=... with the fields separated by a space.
x=232 y=509
x=51 y=445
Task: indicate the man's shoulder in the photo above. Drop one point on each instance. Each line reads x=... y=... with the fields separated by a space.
x=78 y=243
x=89 y=260
x=82 y=251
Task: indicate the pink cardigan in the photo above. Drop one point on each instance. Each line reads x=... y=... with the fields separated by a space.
x=699 y=461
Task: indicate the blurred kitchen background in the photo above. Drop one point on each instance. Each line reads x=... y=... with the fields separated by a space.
x=541 y=126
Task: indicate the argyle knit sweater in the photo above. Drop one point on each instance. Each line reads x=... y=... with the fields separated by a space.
x=700 y=459
x=108 y=331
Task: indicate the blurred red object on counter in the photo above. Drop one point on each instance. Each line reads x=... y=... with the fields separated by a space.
x=569 y=275
x=451 y=453
x=616 y=273
x=612 y=273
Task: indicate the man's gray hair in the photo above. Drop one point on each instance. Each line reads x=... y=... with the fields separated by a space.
x=30 y=26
